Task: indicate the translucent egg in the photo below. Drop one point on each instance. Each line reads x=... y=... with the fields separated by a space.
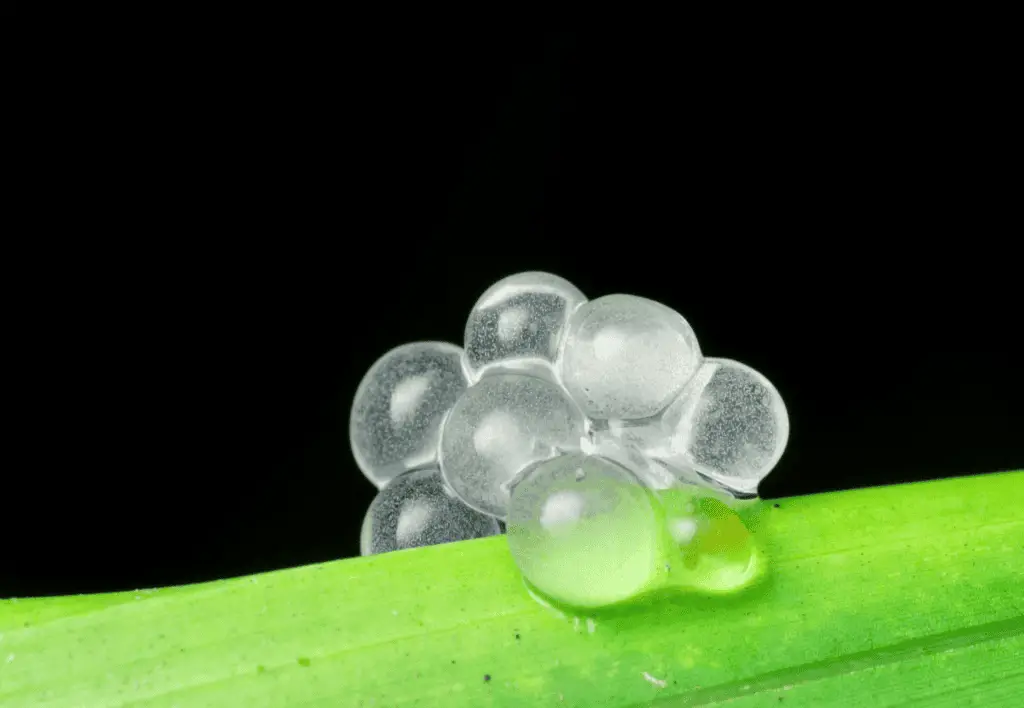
x=498 y=427
x=717 y=553
x=396 y=417
x=584 y=530
x=518 y=323
x=414 y=510
x=626 y=357
x=729 y=424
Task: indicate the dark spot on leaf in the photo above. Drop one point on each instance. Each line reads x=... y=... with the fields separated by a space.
x=517 y=635
x=303 y=661
x=487 y=677
x=453 y=661
x=260 y=669
x=777 y=506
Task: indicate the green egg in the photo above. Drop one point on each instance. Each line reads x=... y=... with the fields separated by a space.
x=718 y=553
x=585 y=531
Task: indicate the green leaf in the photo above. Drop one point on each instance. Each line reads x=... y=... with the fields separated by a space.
x=902 y=595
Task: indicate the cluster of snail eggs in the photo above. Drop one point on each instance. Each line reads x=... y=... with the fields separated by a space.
x=563 y=418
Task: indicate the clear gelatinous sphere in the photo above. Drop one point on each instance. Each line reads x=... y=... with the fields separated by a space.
x=518 y=323
x=627 y=357
x=584 y=530
x=499 y=426
x=396 y=417
x=414 y=510
x=718 y=554
x=730 y=424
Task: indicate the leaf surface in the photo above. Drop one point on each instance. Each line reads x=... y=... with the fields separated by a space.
x=901 y=595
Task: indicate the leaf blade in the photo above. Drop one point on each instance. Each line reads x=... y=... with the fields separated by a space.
x=860 y=582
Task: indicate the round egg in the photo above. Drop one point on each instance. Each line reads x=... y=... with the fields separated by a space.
x=395 y=421
x=518 y=324
x=499 y=426
x=415 y=510
x=730 y=424
x=627 y=357
x=585 y=531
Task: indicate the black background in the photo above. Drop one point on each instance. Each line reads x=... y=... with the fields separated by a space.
x=288 y=210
